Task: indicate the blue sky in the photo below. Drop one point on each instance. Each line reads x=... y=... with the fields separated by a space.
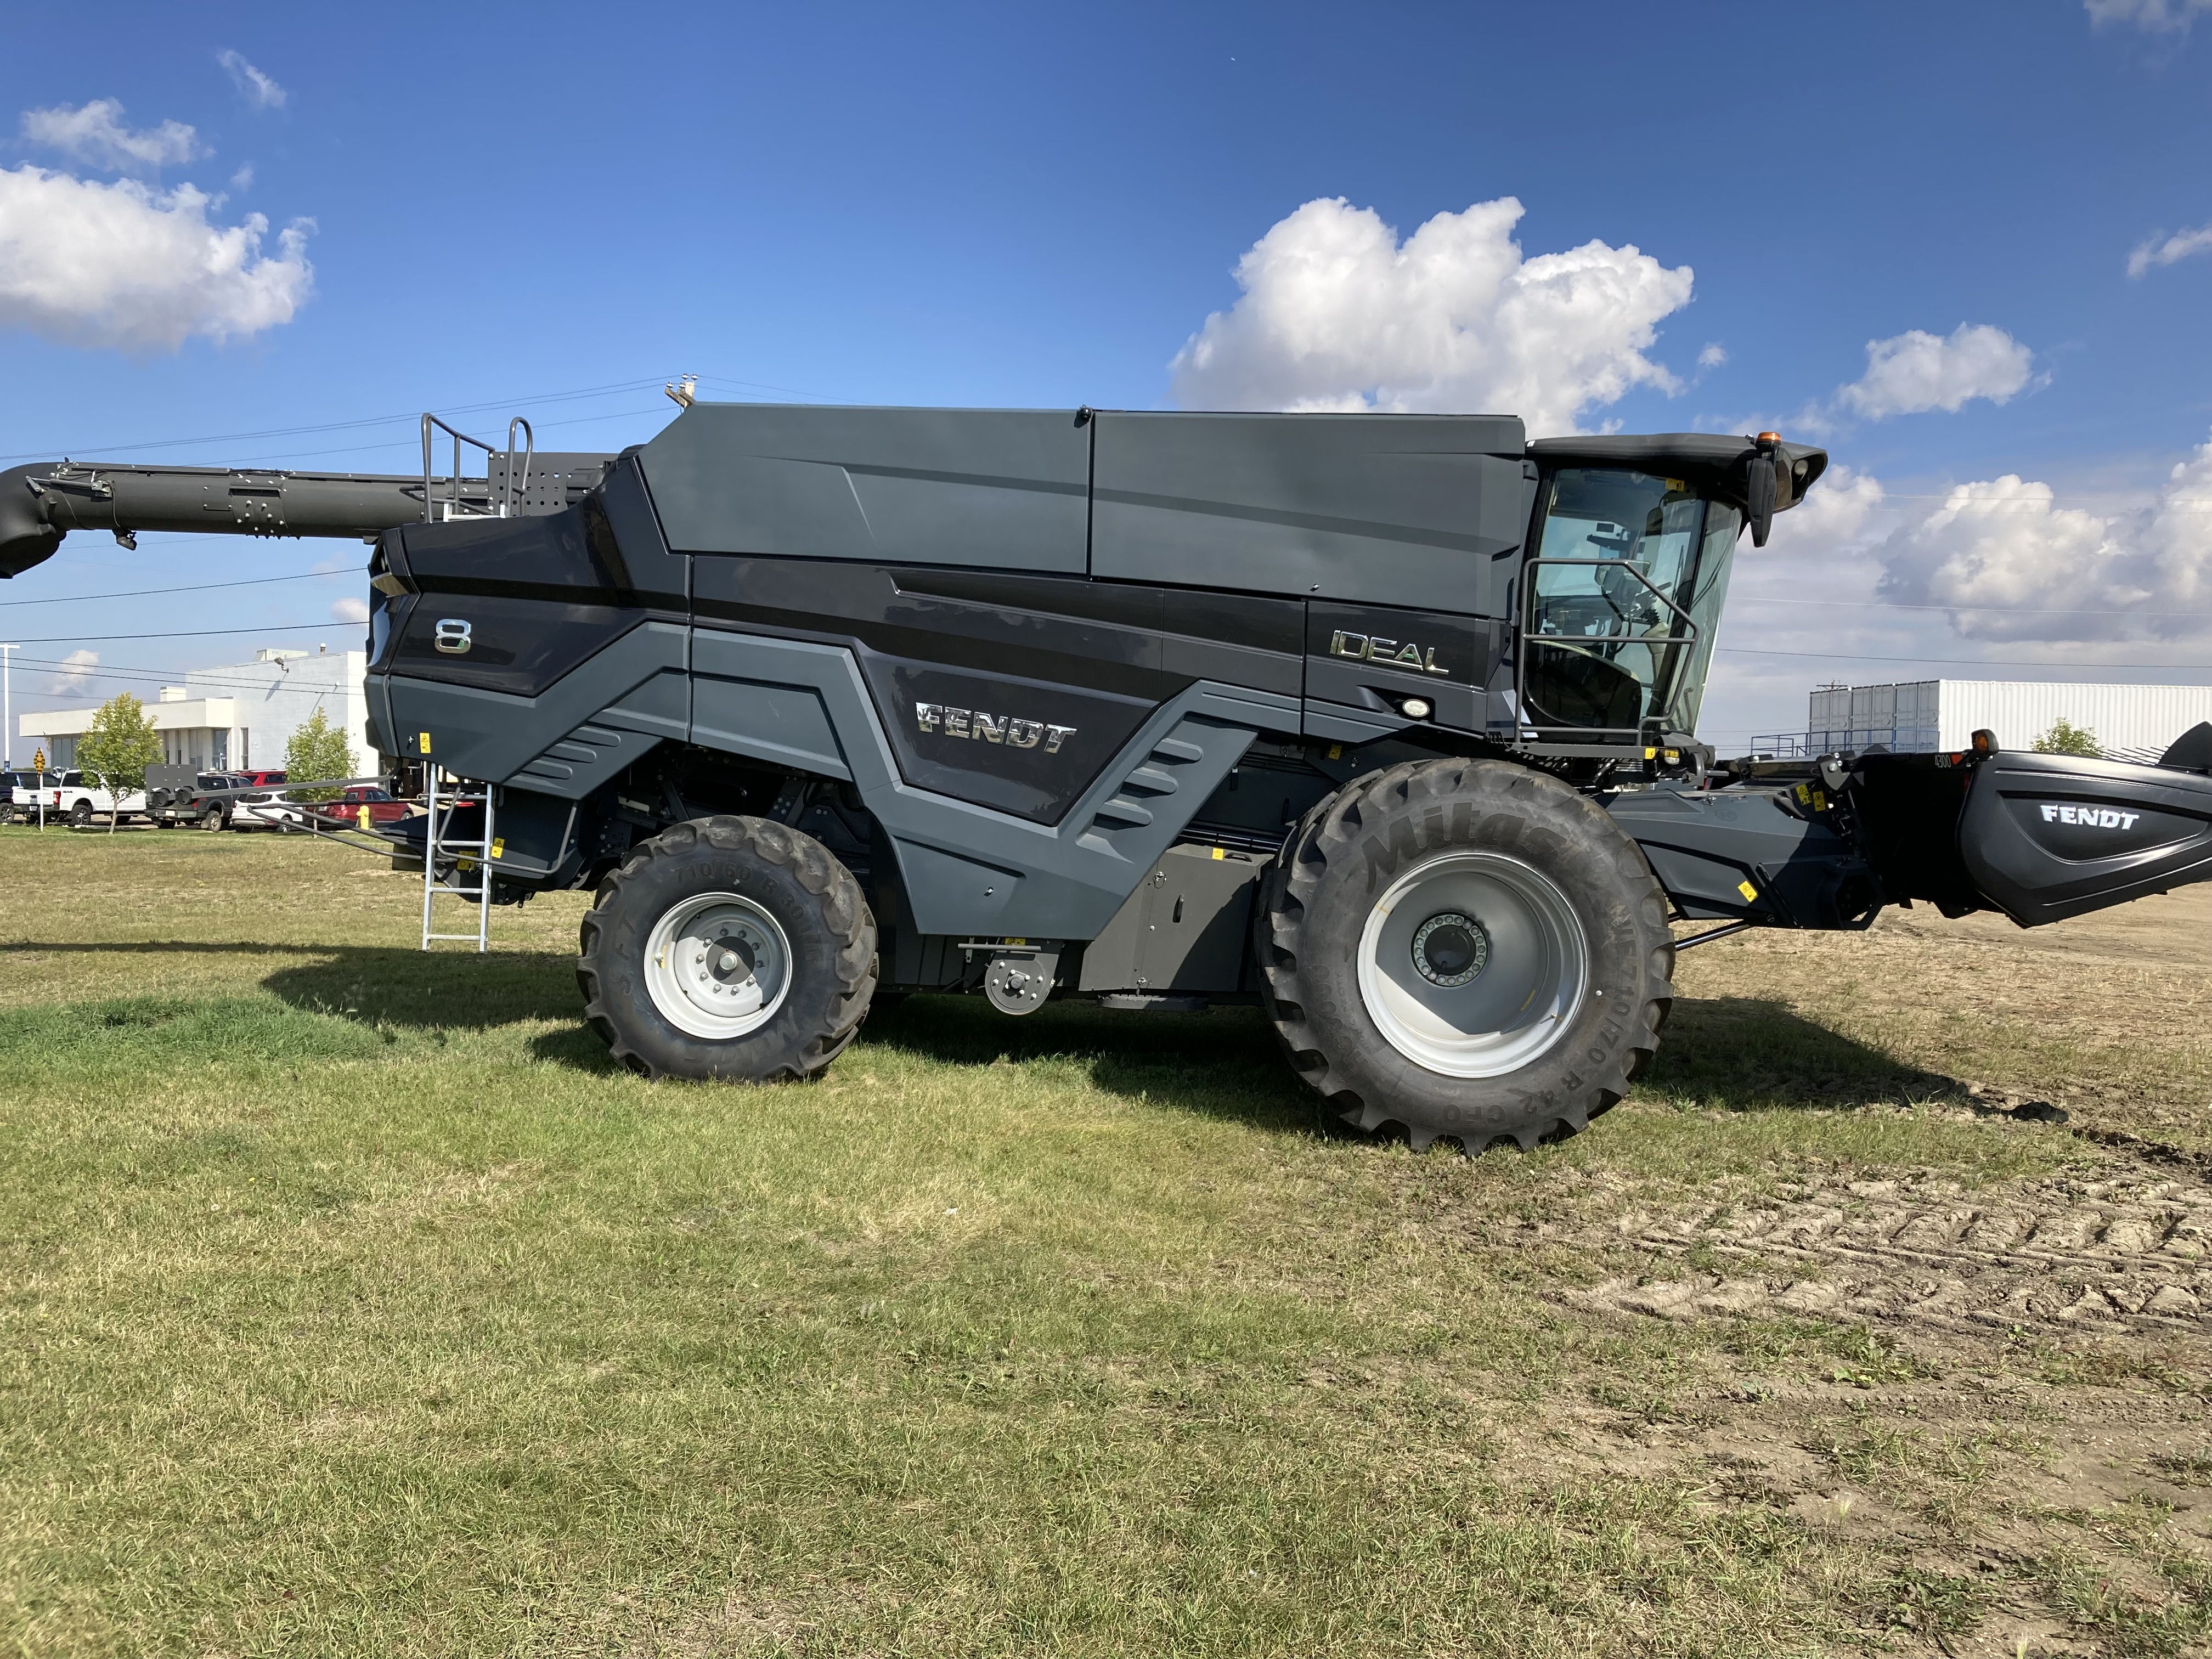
x=1008 y=205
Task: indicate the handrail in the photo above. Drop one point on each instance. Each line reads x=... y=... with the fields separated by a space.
x=513 y=492
x=509 y=501
x=1591 y=734
x=453 y=507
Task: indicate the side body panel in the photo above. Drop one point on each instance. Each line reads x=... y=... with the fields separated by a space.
x=1011 y=692
x=1185 y=928
x=577 y=636
x=970 y=869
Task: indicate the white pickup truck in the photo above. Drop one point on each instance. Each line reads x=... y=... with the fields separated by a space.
x=24 y=788
x=71 y=798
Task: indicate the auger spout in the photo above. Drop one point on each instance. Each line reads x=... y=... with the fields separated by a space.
x=42 y=502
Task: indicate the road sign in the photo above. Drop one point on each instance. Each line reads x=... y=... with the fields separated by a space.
x=39 y=761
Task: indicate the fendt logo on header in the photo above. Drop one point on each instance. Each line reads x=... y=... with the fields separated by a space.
x=1391 y=653
x=2096 y=818
x=1005 y=729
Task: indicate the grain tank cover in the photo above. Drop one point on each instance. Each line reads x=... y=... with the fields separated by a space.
x=1405 y=510
x=1000 y=488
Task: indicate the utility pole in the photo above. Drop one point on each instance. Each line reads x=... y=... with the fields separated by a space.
x=6 y=708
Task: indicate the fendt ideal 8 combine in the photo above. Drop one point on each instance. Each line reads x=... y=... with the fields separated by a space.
x=1386 y=723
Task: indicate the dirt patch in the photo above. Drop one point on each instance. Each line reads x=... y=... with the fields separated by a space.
x=2122 y=1252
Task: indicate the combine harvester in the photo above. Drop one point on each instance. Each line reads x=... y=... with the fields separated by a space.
x=1387 y=723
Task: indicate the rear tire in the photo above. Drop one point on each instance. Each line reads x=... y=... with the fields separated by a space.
x=1465 y=949
x=79 y=815
x=731 y=948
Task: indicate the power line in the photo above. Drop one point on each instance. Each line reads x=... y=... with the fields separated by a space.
x=190 y=588
x=2012 y=610
x=88 y=671
x=340 y=426
x=1957 y=662
x=191 y=633
x=409 y=443
x=381 y=420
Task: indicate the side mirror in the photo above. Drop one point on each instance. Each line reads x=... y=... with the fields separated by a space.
x=1760 y=487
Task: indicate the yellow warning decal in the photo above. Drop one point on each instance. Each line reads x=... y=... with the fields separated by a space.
x=499 y=846
x=1217 y=852
x=1819 y=801
x=1336 y=752
x=426 y=743
x=1803 y=795
x=1748 y=891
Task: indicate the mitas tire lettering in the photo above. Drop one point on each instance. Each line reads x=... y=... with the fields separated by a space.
x=1378 y=836
x=792 y=877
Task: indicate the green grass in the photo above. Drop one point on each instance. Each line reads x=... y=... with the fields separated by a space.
x=352 y=1303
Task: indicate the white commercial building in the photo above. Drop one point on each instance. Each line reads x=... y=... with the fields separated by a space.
x=2125 y=720
x=230 y=719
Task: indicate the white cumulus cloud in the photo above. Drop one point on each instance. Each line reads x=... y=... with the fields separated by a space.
x=349 y=610
x=94 y=134
x=1911 y=372
x=258 y=89
x=2179 y=246
x=1337 y=313
x=123 y=265
x=1713 y=355
x=1834 y=515
x=2062 y=573
x=2155 y=16
x=75 y=674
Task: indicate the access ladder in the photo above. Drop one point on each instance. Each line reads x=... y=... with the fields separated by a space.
x=465 y=852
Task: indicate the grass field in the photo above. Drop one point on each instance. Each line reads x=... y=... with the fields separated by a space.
x=354 y=1304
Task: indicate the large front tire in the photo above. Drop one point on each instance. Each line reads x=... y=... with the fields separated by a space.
x=1465 y=949
x=730 y=948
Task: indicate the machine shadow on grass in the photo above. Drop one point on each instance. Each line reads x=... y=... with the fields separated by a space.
x=380 y=985
x=1736 y=1054
x=1749 y=1054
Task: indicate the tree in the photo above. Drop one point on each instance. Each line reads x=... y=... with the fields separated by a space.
x=116 y=750
x=317 y=750
x=2067 y=738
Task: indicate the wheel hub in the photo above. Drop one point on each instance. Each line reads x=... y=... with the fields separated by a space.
x=1472 y=964
x=718 y=966
x=1449 y=949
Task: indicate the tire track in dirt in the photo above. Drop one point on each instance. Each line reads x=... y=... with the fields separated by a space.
x=2127 y=1252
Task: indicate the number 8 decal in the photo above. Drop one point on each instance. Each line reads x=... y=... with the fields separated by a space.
x=453 y=635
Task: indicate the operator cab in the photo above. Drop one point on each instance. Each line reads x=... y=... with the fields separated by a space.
x=1633 y=540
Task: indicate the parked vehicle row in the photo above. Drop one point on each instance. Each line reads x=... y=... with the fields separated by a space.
x=179 y=798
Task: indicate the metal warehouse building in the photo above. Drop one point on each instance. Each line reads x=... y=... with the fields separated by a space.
x=238 y=716
x=1929 y=714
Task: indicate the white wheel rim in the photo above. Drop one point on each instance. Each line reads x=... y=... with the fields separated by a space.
x=1528 y=949
x=718 y=966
